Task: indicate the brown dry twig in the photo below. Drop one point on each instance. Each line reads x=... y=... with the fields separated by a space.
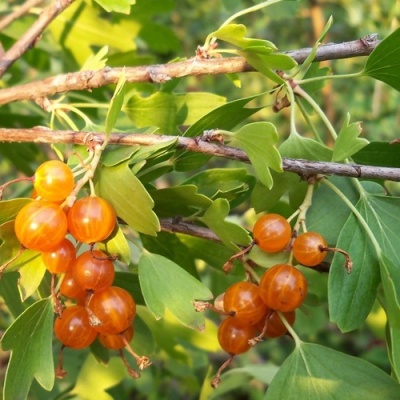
x=18 y=12
x=87 y=80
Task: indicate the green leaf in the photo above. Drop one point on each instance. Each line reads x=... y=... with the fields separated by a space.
x=165 y=285
x=167 y=111
x=129 y=198
x=121 y=6
x=318 y=372
x=96 y=378
x=231 y=234
x=234 y=34
x=181 y=200
x=348 y=141
x=258 y=140
x=233 y=184
x=115 y=104
x=10 y=208
x=31 y=274
x=380 y=154
x=117 y=244
x=96 y=61
x=10 y=244
x=30 y=340
x=384 y=62
x=9 y=292
x=296 y=146
x=351 y=296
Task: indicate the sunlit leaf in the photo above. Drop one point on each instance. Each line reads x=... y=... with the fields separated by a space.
x=121 y=6
x=31 y=275
x=165 y=285
x=9 y=208
x=115 y=104
x=129 y=198
x=317 y=372
x=29 y=338
x=118 y=245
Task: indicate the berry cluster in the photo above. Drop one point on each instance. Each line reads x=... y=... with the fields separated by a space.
x=99 y=310
x=267 y=308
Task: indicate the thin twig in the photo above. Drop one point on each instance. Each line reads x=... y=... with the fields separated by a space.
x=303 y=168
x=88 y=80
x=19 y=12
x=32 y=35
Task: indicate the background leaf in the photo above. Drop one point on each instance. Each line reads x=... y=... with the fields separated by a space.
x=115 y=104
x=29 y=338
x=165 y=285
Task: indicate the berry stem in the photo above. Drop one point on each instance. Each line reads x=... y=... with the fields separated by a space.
x=348 y=263
x=5 y=185
x=289 y=328
x=217 y=378
x=227 y=267
x=201 y=306
x=133 y=373
x=142 y=361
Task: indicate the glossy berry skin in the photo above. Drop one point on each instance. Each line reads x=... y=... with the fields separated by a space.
x=114 y=308
x=272 y=233
x=243 y=298
x=307 y=249
x=115 y=342
x=283 y=288
x=275 y=326
x=61 y=258
x=69 y=288
x=91 y=219
x=73 y=328
x=53 y=180
x=41 y=225
x=234 y=335
x=93 y=271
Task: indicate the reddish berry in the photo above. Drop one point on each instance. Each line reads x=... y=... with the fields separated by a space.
x=91 y=219
x=41 y=225
x=61 y=258
x=283 y=288
x=116 y=342
x=243 y=298
x=272 y=233
x=53 y=181
x=69 y=288
x=275 y=326
x=114 y=309
x=73 y=328
x=93 y=271
x=234 y=335
x=308 y=249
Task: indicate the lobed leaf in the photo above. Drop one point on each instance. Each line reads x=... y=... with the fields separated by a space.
x=165 y=285
x=29 y=338
x=121 y=6
x=115 y=104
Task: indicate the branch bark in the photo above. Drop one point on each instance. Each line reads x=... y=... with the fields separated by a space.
x=303 y=168
x=19 y=12
x=30 y=37
x=88 y=80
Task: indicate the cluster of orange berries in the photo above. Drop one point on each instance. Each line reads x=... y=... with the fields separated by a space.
x=255 y=311
x=100 y=310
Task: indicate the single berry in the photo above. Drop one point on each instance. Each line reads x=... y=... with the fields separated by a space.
x=91 y=219
x=73 y=328
x=283 y=288
x=114 y=310
x=243 y=298
x=53 y=180
x=234 y=335
x=275 y=327
x=61 y=258
x=41 y=225
x=116 y=341
x=272 y=233
x=308 y=249
x=69 y=288
x=93 y=271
